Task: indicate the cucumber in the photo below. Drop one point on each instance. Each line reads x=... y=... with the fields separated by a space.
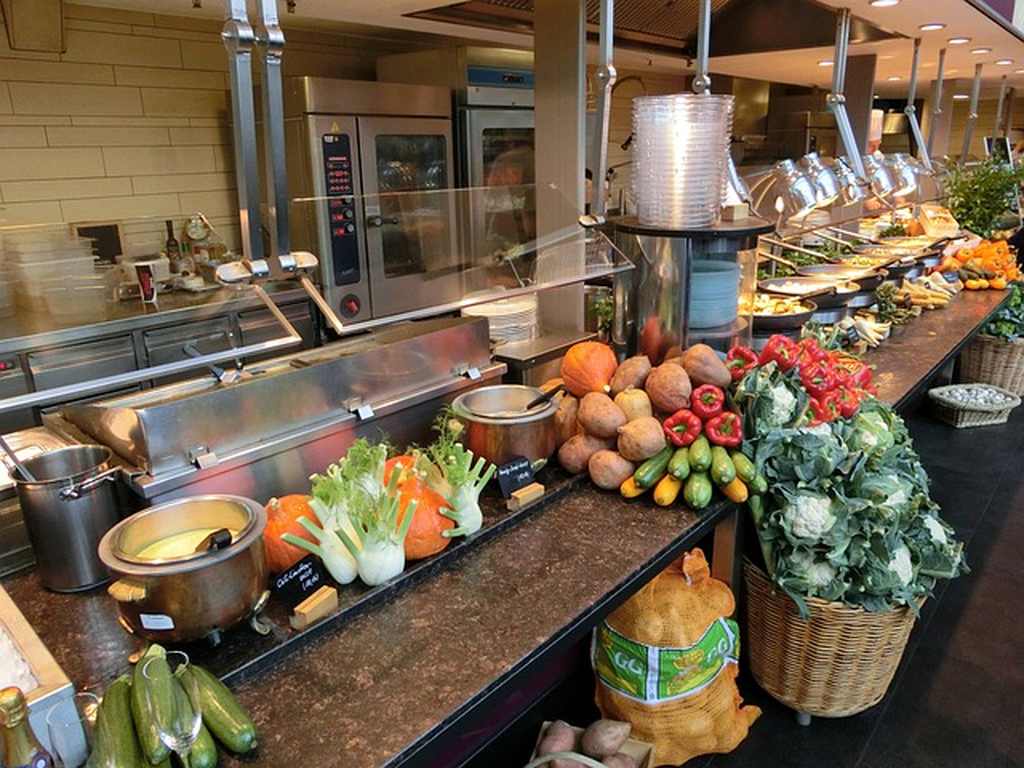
x=114 y=742
x=745 y=469
x=700 y=455
x=222 y=713
x=204 y=751
x=152 y=702
x=722 y=470
x=697 y=490
x=679 y=464
x=652 y=470
x=759 y=484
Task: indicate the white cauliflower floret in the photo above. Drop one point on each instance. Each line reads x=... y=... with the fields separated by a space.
x=901 y=565
x=817 y=572
x=783 y=404
x=938 y=533
x=809 y=516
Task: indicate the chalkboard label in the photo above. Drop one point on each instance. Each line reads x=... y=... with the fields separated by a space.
x=514 y=475
x=300 y=581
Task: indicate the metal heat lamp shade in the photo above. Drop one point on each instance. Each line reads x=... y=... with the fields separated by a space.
x=826 y=184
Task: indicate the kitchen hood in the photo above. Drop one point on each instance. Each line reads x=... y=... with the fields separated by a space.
x=670 y=26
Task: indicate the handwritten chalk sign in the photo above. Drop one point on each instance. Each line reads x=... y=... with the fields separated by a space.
x=300 y=581
x=514 y=475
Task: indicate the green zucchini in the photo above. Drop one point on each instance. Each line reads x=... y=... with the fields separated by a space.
x=722 y=470
x=745 y=469
x=679 y=464
x=652 y=470
x=114 y=742
x=222 y=713
x=759 y=484
x=152 y=702
x=700 y=455
x=697 y=490
x=204 y=751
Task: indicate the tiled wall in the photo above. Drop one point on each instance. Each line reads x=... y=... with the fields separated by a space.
x=131 y=120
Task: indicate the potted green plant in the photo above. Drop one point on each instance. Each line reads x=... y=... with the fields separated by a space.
x=979 y=195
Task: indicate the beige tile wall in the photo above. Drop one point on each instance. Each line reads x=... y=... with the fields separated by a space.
x=131 y=120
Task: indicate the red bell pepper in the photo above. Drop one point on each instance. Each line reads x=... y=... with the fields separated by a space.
x=707 y=401
x=820 y=413
x=725 y=430
x=848 y=400
x=740 y=361
x=780 y=350
x=862 y=376
x=682 y=427
x=811 y=351
x=817 y=379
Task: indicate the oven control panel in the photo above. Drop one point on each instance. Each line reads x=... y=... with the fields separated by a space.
x=341 y=213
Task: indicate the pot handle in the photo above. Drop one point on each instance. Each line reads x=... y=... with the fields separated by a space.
x=127 y=591
x=75 y=491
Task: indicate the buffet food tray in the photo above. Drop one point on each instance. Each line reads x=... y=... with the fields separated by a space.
x=52 y=686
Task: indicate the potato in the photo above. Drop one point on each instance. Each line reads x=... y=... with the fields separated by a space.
x=609 y=470
x=704 y=366
x=669 y=388
x=640 y=439
x=559 y=737
x=565 y=418
x=634 y=403
x=604 y=738
x=631 y=373
x=577 y=450
x=619 y=760
x=599 y=416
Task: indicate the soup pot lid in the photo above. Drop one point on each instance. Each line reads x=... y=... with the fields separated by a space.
x=231 y=524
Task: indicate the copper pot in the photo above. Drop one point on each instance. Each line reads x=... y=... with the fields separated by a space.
x=500 y=428
x=189 y=568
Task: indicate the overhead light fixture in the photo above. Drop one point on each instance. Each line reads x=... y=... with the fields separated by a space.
x=960 y=97
x=1018 y=71
x=894 y=78
x=902 y=172
x=1004 y=62
x=959 y=40
x=980 y=51
x=825 y=63
x=884 y=3
x=826 y=185
x=933 y=26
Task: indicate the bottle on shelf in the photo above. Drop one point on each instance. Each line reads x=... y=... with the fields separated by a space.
x=21 y=748
x=173 y=249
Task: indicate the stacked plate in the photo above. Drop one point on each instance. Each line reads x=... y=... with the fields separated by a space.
x=679 y=154
x=510 y=319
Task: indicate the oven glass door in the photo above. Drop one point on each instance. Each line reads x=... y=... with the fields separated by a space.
x=409 y=214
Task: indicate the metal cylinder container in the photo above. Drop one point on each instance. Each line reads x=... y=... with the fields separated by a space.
x=67 y=509
x=500 y=428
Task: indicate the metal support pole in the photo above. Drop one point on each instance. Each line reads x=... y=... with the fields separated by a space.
x=972 y=114
x=1000 y=108
x=238 y=39
x=911 y=110
x=271 y=42
x=701 y=78
x=940 y=74
x=837 y=98
x=606 y=79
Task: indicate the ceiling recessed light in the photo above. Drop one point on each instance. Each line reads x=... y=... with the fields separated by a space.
x=980 y=51
x=1018 y=71
x=825 y=63
x=894 y=78
x=933 y=26
x=959 y=40
x=1004 y=62
x=960 y=97
x=884 y=3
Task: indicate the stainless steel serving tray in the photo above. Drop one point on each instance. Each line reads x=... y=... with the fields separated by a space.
x=764 y=323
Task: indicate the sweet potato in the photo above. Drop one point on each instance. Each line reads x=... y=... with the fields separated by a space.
x=565 y=417
x=559 y=737
x=575 y=452
x=608 y=469
x=669 y=388
x=631 y=373
x=641 y=438
x=634 y=403
x=599 y=416
x=704 y=366
x=604 y=738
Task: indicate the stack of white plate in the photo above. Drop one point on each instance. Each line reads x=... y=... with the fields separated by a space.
x=510 y=319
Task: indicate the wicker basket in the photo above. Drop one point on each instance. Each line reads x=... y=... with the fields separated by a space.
x=962 y=416
x=837 y=663
x=990 y=360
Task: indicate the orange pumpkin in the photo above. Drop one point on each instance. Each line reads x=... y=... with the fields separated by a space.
x=283 y=517
x=426 y=532
x=588 y=367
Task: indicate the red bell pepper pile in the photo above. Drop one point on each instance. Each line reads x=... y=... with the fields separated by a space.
x=706 y=415
x=835 y=382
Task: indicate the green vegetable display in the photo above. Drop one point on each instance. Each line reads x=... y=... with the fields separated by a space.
x=979 y=194
x=848 y=515
x=1008 y=322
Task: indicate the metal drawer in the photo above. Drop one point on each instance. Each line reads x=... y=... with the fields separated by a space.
x=62 y=366
x=166 y=345
x=13 y=382
x=259 y=325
